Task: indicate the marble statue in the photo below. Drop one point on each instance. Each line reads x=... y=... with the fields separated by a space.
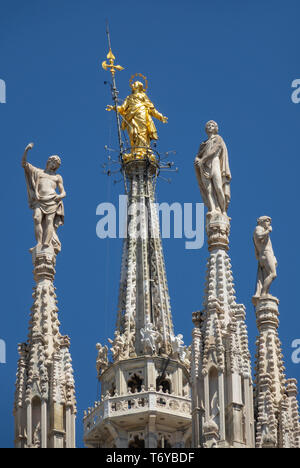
x=118 y=345
x=212 y=171
x=46 y=203
x=150 y=337
x=267 y=262
x=102 y=358
x=179 y=347
x=37 y=436
x=137 y=112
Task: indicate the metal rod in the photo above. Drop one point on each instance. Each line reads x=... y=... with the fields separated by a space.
x=115 y=93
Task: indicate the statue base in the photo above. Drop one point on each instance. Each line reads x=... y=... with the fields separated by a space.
x=217 y=230
x=264 y=297
x=44 y=260
x=267 y=313
x=140 y=155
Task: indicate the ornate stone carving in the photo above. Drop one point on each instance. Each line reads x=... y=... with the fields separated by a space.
x=45 y=373
x=118 y=346
x=150 y=338
x=221 y=368
x=179 y=349
x=102 y=359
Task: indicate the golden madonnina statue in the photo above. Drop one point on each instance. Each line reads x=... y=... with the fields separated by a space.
x=137 y=112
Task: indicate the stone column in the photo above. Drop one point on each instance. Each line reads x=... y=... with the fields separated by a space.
x=151 y=436
x=275 y=397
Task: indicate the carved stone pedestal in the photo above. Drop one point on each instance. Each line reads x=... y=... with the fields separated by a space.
x=45 y=406
x=221 y=367
x=276 y=404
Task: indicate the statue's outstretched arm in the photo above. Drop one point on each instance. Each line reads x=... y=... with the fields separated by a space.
x=159 y=116
x=154 y=113
x=24 y=158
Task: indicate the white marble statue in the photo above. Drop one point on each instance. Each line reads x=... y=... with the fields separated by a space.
x=102 y=358
x=178 y=346
x=150 y=337
x=46 y=203
x=212 y=171
x=118 y=346
x=267 y=262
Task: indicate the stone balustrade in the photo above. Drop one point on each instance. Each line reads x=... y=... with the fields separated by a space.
x=141 y=402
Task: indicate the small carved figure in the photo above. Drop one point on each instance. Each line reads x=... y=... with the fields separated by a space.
x=212 y=170
x=178 y=347
x=102 y=359
x=118 y=346
x=267 y=262
x=37 y=436
x=46 y=203
x=150 y=337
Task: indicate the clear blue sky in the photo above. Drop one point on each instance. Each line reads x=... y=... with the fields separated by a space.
x=231 y=61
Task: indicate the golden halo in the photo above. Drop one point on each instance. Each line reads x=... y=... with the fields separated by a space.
x=142 y=76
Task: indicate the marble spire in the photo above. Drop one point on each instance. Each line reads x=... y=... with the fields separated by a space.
x=45 y=405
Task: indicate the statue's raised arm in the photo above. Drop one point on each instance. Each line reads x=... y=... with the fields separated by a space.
x=24 y=158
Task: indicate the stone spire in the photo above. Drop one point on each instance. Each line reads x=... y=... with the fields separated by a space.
x=276 y=406
x=45 y=406
x=145 y=389
x=222 y=387
x=221 y=371
x=145 y=392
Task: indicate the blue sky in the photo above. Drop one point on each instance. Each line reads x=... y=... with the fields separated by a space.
x=230 y=61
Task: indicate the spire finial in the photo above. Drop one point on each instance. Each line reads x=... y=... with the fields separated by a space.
x=110 y=57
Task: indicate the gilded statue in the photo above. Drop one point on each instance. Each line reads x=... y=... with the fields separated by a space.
x=137 y=111
x=46 y=203
x=212 y=171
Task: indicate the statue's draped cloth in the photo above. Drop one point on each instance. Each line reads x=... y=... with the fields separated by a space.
x=47 y=204
x=137 y=111
x=215 y=145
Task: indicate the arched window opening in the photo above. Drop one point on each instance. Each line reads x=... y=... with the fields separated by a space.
x=36 y=422
x=135 y=384
x=164 y=385
x=214 y=395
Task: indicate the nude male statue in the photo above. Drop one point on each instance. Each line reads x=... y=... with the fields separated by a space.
x=267 y=262
x=212 y=170
x=46 y=203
